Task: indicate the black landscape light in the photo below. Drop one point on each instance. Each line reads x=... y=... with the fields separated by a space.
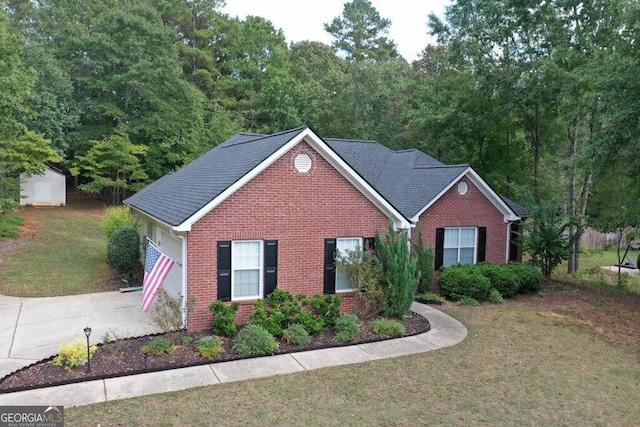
x=144 y=357
x=87 y=332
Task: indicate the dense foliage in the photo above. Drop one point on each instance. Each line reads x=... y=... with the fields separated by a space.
x=119 y=93
x=123 y=250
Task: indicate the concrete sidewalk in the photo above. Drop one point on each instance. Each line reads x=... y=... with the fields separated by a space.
x=33 y=328
x=445 y=331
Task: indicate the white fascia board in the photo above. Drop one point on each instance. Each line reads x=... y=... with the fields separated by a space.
x=327 y=153
x=486 y=190
x=153 y=218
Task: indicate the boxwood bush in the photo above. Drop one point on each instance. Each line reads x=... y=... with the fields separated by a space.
x=502 y=279
x=463 y=280
x=254 y=340
x=123 y=251
x=529 y=277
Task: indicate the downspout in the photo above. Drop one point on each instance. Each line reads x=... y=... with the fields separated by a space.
x=183 y=309
x=506 y=257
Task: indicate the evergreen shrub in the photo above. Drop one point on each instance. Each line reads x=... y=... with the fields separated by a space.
x=123 y=250
x=463 y=280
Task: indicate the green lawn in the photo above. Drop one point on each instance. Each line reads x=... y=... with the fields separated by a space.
x=63 y=252
x=523 y=363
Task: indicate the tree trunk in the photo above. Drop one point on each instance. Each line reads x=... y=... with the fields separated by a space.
x=572 y=133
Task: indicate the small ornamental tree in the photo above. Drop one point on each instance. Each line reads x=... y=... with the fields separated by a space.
x=546 y=240
x=364 y=274
x=400 y=274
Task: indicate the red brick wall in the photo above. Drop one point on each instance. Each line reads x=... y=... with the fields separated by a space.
x=300 y=210
x=472 y=209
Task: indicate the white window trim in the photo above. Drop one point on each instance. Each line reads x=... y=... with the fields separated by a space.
x=260 y=274
x=360 y=246
x=458 y=247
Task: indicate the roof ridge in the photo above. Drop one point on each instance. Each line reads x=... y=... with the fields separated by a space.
x=262 y=136
x=368 y=141
x=442 y=166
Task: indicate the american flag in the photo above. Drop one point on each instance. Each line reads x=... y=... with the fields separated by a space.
x=156 y=267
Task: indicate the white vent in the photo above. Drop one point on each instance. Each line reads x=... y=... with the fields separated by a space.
x=462 y=188
x=303 y=163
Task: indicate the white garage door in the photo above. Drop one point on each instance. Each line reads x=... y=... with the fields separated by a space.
x=172 y=247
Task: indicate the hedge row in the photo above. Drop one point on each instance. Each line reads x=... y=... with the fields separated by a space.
x=478 y=280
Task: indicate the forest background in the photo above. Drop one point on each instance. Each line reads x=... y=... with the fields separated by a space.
x=542 y=98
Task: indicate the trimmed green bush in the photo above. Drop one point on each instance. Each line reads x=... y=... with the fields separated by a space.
x=72 y=354
x=529 y=277
x=224 y=318
x=327 y=307
x=159 y=346
x=123 y=251
x=254 y=340
x=296 y=334
x=495 y=296
x=463 y=280
x=387 y=327
x=347 y=328
x=209 y=347
x=280 y=309
x=116 y=217
x=501 y=278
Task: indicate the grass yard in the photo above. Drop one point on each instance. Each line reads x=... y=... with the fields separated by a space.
x=564 y=357
x=60 y=251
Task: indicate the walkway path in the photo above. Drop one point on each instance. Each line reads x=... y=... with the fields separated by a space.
x=445 y=331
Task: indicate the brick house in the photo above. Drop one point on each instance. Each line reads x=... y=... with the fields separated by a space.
x=260 y=211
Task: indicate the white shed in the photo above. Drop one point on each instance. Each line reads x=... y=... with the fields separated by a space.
x=47 y=189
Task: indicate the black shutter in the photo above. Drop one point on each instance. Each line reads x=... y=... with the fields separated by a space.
x=439 y=248
x=224 y=270
x=369 y=244
x=329 y=266
x=270 y=266
x=482 y=244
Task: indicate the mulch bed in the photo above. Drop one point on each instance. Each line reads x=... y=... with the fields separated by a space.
x=124 y=357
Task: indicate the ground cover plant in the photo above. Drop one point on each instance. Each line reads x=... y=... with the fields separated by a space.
x=562 y=357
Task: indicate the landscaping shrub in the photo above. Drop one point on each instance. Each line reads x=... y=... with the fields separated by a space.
x=400 y=272
x=186 y=340
x=73 y=354
x=365 y=275
x=296 y=334
x=425 y=259
x=429 y=297
x=501 y=278
x=123 y=251
x=116 y=217
x=224 y=318
x=254 y=340
x=280 y=309
x=387 y=327
x=313 y=324
x=495 y=296
x=166 y=311
x=209 y=347
x=529 y=277
x=327 y=307
x=347 y=328
x=468 y=301
x=159 y=346
x=463 y=280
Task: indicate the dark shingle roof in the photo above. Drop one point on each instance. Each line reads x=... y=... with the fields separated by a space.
x=177 y=196
x=408 y=179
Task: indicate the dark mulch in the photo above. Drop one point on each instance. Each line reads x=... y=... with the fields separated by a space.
x=124 y=357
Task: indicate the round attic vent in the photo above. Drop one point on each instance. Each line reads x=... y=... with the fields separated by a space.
x=462 y=188
x=303 y=162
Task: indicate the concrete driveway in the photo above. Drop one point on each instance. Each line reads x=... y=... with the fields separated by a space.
x=32 y=329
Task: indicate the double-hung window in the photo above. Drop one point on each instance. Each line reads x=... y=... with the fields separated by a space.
x=459 y=246
x=246 y=269
x=344 y=244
